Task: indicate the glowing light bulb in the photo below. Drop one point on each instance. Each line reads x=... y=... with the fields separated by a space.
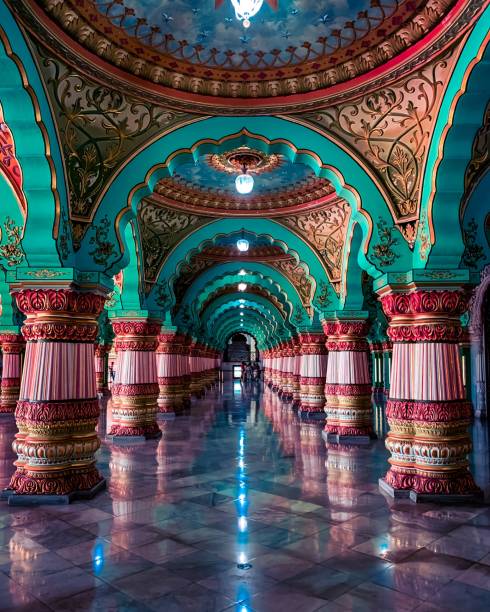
x=242 y=245
x=242 y=273
x=242 y=286
x=244 y=184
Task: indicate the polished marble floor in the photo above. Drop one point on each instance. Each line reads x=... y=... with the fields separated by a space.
x=241 y=506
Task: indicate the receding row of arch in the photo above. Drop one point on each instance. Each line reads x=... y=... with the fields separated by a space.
x=26 y=110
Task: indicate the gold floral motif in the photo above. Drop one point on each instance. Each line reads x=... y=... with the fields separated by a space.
x=45 y=273
x=326 y=231
x=390 y=128
x=100 y=129
x=161 y=229
x=12 y=251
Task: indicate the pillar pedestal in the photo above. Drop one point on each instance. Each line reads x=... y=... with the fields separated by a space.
x=348 y=384
x=57 y=411
x=135 y=390
x=427 y=411
x=12 y=347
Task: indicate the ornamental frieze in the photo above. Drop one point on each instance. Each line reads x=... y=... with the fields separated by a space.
x=124 y=39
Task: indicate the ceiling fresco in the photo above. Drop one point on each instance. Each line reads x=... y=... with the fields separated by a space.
x=201 y=51
x=208 y=186
x=201 y=33
x=206 y=175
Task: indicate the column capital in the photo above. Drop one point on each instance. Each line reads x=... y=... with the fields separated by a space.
x=59 y=278
x=424 y=315
x=424 y=279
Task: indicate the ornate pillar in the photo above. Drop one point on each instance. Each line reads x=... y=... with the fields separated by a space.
x=313 y=370
x=287 y=391
x=296 y=376
x=12 y=347
x=275 y=368
x=387 y=354
x=170 y=372
x=348 y=383
x=377 y=366
x=197 y=375
x=57 y=411
x=135 y=389
x=427 y=411
x=101 y=369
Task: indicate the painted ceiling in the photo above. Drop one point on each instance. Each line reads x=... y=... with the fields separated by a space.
x=203 y=175
x=199 y=56
x=203 y=34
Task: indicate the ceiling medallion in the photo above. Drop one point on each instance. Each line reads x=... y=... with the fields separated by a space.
x=254 y=160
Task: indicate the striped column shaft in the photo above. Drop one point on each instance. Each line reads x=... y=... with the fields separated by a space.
x=136 y=389
x=348 y=383
x=13 y=346
x=101 y=377
x=296 y=378
x=197 y=375
x=313 y=371
x=169 y=372
x=57 y=411
x=427 y=410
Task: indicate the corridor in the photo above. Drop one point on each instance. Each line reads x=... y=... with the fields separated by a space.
x=242 y=506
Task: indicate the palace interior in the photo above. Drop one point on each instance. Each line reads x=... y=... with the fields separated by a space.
x=245 y=305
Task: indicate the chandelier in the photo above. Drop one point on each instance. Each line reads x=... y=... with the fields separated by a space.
x=245 y=9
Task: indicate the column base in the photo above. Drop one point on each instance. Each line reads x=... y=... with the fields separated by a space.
x=391 y=491
x=117 y=433
x=311 y=414
x=18 y=499
x=420 y=498
x=336 y=438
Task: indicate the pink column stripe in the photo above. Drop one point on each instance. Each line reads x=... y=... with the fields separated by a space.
x=58 y=371
x=352 y=368
x=435 y=372
x=11 y=365
x=137 y=367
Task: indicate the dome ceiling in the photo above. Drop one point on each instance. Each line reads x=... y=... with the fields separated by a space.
x=204 y=34
x=184 y=51
x=208 y=185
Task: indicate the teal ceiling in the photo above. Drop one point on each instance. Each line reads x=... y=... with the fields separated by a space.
x=202 y=175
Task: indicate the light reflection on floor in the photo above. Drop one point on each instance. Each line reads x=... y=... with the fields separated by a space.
x=242 y=506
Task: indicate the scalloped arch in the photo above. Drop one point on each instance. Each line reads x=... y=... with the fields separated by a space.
x=460 y=116
x=304 y=145
x=275 y=232
x=24 y=103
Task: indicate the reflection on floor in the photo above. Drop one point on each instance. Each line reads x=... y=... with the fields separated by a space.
x=240 y=506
